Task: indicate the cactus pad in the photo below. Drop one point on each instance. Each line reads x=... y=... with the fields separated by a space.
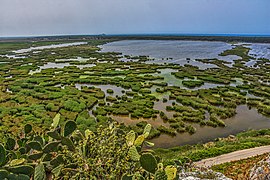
x=171 y=172
x=23 y=169
x=35 y=156
x=54 y=134
x=147 y=130
x=56 y=120
x=148 y=162
x=133 y=153
x=3 y=174
x=10 y=144
x=69 y=128
x=130 y=138
x=51 y=147
x=35 y=145
x=161 y=175
x=27 y=128
x=40 y=173
x=16 y=162
x=2 y=154
x=139 y=140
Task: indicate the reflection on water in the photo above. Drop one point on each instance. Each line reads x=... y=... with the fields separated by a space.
x=176 y=50
x=244 y=119
x=173 y=81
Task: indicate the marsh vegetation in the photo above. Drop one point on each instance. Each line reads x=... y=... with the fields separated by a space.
x=93 y=88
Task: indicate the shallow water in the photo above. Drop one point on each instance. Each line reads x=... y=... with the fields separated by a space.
x=244 y=119
x=20 y=51
x=80 y=59
x=117 y=90
x=59 y=65
x=260 y=50
x=173 y=81
x=178 y=50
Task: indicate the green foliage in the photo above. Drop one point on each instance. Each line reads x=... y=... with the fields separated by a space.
x=139 y=140
x=70 y=127
x=3 y=174
x=16 y=162
x=2 y=154
x=171 y=172
x=35 y=145
x=22 y=169
x=85 y=121
x=56 y=120
x=74 y=106
x=27 y=128
x=10 y=144
x=51 y=147
x=161 y=175
x=192 y=84
x=110 y=91
x=147 y=130
x=109 y=152
x=148 y=162
x=133 y=153
x=40 y=173
x=130 y=138
x=244 y=140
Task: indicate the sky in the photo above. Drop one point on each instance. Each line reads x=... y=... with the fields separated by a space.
x=64 y=17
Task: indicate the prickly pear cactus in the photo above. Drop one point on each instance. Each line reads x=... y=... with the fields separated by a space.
x=171 y=172
x=10 y=144
x=137 y=176
x=139 y=140
x=16 y=162
x=147 y=130
x=56 y=120
x=51 y=147
x=3 y=174
x=2 y=154
x=148 y=162
x=27 y=128
x=40 y=173
x=69 y=128
x=22 y=169
x=130 y=138
x=133 y=154
x=35 y=145
x=126 y=177
x=54 y=134
x=160 y=173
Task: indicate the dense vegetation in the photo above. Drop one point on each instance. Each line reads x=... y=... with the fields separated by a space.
x=66 y=153
x=244 y=140
x=51 y=81
x=91 y=88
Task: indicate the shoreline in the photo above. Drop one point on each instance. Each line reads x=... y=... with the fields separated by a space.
x=222 y=38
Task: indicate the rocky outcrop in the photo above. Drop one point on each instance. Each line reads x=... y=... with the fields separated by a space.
x=199 y=174
x=261 y=170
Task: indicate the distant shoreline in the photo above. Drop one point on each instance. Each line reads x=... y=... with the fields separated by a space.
x=201 y=37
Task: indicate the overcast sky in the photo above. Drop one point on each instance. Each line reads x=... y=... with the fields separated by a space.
x=52 y=17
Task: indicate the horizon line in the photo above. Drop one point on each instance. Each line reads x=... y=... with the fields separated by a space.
x=143 y=34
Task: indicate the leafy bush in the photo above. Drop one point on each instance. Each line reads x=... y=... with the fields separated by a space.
x=66 y=153
x=74 y=106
